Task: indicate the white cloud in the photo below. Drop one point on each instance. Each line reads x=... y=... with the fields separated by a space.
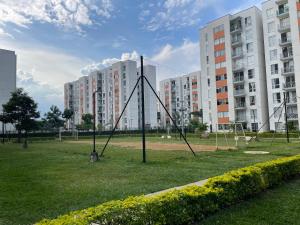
x=66 y=13
x=5 y=34
x=174 y=14
x=44 y=69
x=173 y=61
x=108 y=62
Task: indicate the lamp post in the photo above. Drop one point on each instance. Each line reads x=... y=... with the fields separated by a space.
x=94 y=154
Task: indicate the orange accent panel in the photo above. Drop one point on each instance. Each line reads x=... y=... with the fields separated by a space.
x=219 y=47
x=220 y=59
x=222 y=95
x=221 y=83
x=223 y=108
x=223 y=120
x=298 y=6
x=194 y=92
x=219 y=34
x=221 y=71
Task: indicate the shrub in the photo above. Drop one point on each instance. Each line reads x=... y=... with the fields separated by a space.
x=190 y=204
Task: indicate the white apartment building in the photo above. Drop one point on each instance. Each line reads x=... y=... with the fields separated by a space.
x=233 y=79
x=181 y=97
x=281 y=22
x=114 y=85
x=8 y=71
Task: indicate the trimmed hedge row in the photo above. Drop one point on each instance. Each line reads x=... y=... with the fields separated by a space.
x=190 y=204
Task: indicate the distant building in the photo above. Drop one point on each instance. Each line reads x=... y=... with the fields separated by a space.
x=114 y=85
x=8 y=71
x=181 y=97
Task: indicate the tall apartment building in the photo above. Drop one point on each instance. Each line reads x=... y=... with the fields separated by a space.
x=181 y=97
x=233 y=81
x=114 y=85
x=8 y=70
x=281 y=21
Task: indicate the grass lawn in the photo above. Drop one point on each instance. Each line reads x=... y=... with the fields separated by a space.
x=51 y=178
x=279 y=206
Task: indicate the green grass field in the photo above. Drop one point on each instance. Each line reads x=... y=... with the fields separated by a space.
x=278 y=206
x=52 y=178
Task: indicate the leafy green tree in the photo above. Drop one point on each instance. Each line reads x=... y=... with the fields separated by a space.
x=53 y=118
x=87 y=121
x=21 y=110
x=195 y=125
x=68 y=114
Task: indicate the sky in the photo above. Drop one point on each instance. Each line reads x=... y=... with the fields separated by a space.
x=57 y=41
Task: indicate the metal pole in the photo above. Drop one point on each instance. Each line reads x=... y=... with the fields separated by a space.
x=94 y=125
x=143 y=110
x=286 y=119
x=3 y=130
x=174 y=122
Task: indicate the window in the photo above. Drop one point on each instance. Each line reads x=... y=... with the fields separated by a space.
x=254 y=127
x=249 y=47
x=271 y=27
x=272 y=41
x=276 y=98
x=252 y=100
x=222 y=101
x=221 y=89
x=274 y=69
x=248 y=21
x=250 y=60
x=251 y=74
x=219 y=40
x=252 y=87
x=207 y=59
x=219 y=53
x=220 y=65
x=249 y=34
x=273 y=54
x=222 y=114
x=206 y=37
x=219 y=28
x=275 y=83
x=270 y=13
x=253 y=114
x=221 y=77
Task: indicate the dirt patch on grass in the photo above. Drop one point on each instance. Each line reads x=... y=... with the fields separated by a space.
x=159 y=146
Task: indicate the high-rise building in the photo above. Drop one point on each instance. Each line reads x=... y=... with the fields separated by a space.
x=181 y=97
x=114 y=85
x=281 y=21
x=8 y=70
x=233 y=80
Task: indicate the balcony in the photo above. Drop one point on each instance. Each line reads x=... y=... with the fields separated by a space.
x=291 y=101
x=289 y=86
x=283 y=28
x=239 y=67
x=280 y=2
x=236 y=42
x=286 y=56
x=240 y=105
x=287 y=71
x=292 y=116
x=283 y=12
x=241 y=119
x=285 y=41
x=237 y=55
x=239 y=92
x=238 y=79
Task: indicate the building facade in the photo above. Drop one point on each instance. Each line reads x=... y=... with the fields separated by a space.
x=114 y=85
x=181 y=97
x=281 y=21
x=8 y=71
x=233 y=81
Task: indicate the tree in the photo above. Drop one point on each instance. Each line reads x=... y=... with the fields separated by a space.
x=197 y=126
x=68 y=114
x=21 y=110
x=87 y=121
x=53 y=118
x=4 y=119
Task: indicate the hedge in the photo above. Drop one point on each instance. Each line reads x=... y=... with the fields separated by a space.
x=190 y=204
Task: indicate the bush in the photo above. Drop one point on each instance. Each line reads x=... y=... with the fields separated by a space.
x=190 y=204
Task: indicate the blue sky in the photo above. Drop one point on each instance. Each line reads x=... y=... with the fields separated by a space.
x=59 y=40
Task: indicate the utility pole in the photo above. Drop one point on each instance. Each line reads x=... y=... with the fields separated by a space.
x=182 y=118
x=94 y=154
x=143 y=110
x=286 y=120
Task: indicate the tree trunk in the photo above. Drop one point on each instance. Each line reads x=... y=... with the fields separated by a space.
x=19 y=136
x=25 y=144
